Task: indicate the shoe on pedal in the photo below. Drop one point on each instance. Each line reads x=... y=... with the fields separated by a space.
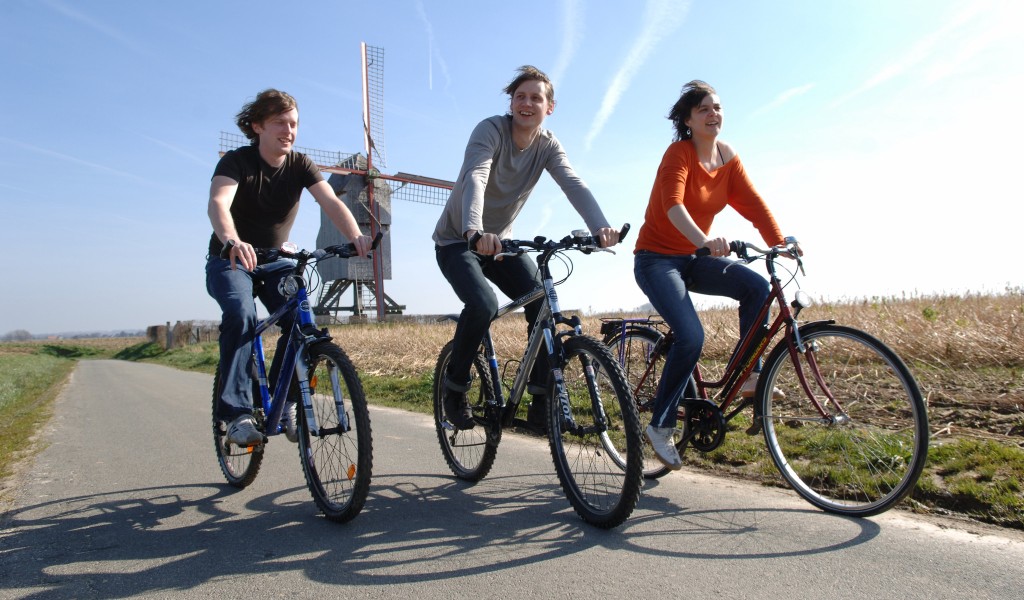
x=290 y=420
x=664 y=446
x=456 y=408
x=242 y=432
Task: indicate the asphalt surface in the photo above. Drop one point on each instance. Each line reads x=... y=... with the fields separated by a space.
x=127 y=500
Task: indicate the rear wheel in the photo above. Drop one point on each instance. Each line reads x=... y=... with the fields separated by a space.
x=867 y=451
x=595 y=434
x=470 y=453
x=641 y=365
x=240 y=464
x=337 y=449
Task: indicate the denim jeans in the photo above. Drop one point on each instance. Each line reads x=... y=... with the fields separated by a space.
x=233 y=291
x=468 y=274
x=661 y=278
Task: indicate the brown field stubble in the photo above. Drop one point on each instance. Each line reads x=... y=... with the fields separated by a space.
x=967 y=352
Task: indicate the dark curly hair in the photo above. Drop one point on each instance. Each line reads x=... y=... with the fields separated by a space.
x=692 y=95
x=268 y=103
x=530 y=73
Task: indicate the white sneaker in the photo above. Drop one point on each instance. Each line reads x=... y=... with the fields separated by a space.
x=290 y=420
x=664 y=446
x=242 y=432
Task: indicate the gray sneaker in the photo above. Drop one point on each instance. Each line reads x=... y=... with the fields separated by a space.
x=664 y=446
x=290 y=420
x=242 y=432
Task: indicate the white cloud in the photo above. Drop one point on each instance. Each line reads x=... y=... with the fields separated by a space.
x=98 y=26
x=661 y=17
x=784 y=97
x=917 y=54
x=433 y=53
x=571 y=37
x=75 y=160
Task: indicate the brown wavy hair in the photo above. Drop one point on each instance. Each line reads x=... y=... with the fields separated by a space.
x=530 y=73
x=268 y=103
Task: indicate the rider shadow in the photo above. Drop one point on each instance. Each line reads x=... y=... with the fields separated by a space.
x=175 y=538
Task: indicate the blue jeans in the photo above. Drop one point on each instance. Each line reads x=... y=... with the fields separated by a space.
x=661 y=278
x=468 y=274
x=233 y=291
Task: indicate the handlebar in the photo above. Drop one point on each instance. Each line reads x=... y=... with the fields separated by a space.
x=578 y=240
x=290 y=251
x=791 y=249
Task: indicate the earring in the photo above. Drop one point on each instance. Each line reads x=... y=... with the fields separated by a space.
x=688 y=132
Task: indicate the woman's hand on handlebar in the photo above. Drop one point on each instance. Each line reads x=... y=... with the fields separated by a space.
x=717 y=246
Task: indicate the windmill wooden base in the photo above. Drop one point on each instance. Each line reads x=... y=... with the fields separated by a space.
x=364 y=300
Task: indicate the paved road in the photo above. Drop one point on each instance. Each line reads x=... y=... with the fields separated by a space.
x=127 y=500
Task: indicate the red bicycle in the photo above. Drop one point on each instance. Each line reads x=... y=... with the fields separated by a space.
x=841 y=414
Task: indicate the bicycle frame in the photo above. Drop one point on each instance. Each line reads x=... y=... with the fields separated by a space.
x=751 y=348
x=543 y=333
x=302 y=334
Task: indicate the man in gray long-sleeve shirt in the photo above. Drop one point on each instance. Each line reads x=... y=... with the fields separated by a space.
x=504 y=160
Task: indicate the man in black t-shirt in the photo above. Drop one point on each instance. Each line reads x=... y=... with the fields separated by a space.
x=254 y=198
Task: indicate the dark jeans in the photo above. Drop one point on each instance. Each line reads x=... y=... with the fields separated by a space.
x=468 y=274
x=233 y=291
x=660 y=277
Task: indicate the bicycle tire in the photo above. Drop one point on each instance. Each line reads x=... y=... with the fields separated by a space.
x=239 y=464
x=870 y=458
x=470 y=453
x=337 y=461
x=588 y=457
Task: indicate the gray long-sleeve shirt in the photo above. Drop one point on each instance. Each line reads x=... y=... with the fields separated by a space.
x=496 y=179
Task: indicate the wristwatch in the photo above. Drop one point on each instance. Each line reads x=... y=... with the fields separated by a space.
x=473 y=240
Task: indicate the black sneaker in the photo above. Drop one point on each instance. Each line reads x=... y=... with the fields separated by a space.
x=457 y=410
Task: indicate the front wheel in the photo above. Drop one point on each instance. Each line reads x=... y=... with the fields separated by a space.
x=863 y=451
x=240 y=464
x=595 y=434
x=335 y=441
x=470 y=453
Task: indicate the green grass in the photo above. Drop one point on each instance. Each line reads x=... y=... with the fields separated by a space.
x=28 y=386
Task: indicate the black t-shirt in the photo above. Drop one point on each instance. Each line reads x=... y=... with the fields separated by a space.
x=267 y=199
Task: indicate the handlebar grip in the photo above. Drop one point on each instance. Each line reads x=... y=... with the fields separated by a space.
x=623 y=232
x=225 y=251
x=376 y=240
x=734 y=248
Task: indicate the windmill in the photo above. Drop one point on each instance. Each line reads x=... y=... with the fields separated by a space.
x=368 y=193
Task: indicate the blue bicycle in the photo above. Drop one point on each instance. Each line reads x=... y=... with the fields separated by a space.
x=333 y=423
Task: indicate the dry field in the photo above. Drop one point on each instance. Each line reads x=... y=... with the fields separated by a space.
x=966 y=352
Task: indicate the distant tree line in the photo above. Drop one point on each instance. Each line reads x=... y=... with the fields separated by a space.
x=20 y=335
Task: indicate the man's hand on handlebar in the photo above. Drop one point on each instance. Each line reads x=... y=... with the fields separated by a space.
x=607 y=236
x=363 y=245
x=486 y=244
x=241 y=252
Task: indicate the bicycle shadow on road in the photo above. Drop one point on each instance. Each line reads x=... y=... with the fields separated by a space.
x=172 y=538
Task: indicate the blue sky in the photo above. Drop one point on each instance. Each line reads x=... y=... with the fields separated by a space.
x=883 y=134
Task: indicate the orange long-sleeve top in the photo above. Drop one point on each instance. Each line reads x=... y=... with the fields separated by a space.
x=681 y=179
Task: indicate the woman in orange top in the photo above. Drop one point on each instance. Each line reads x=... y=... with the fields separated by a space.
x=698 y=177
